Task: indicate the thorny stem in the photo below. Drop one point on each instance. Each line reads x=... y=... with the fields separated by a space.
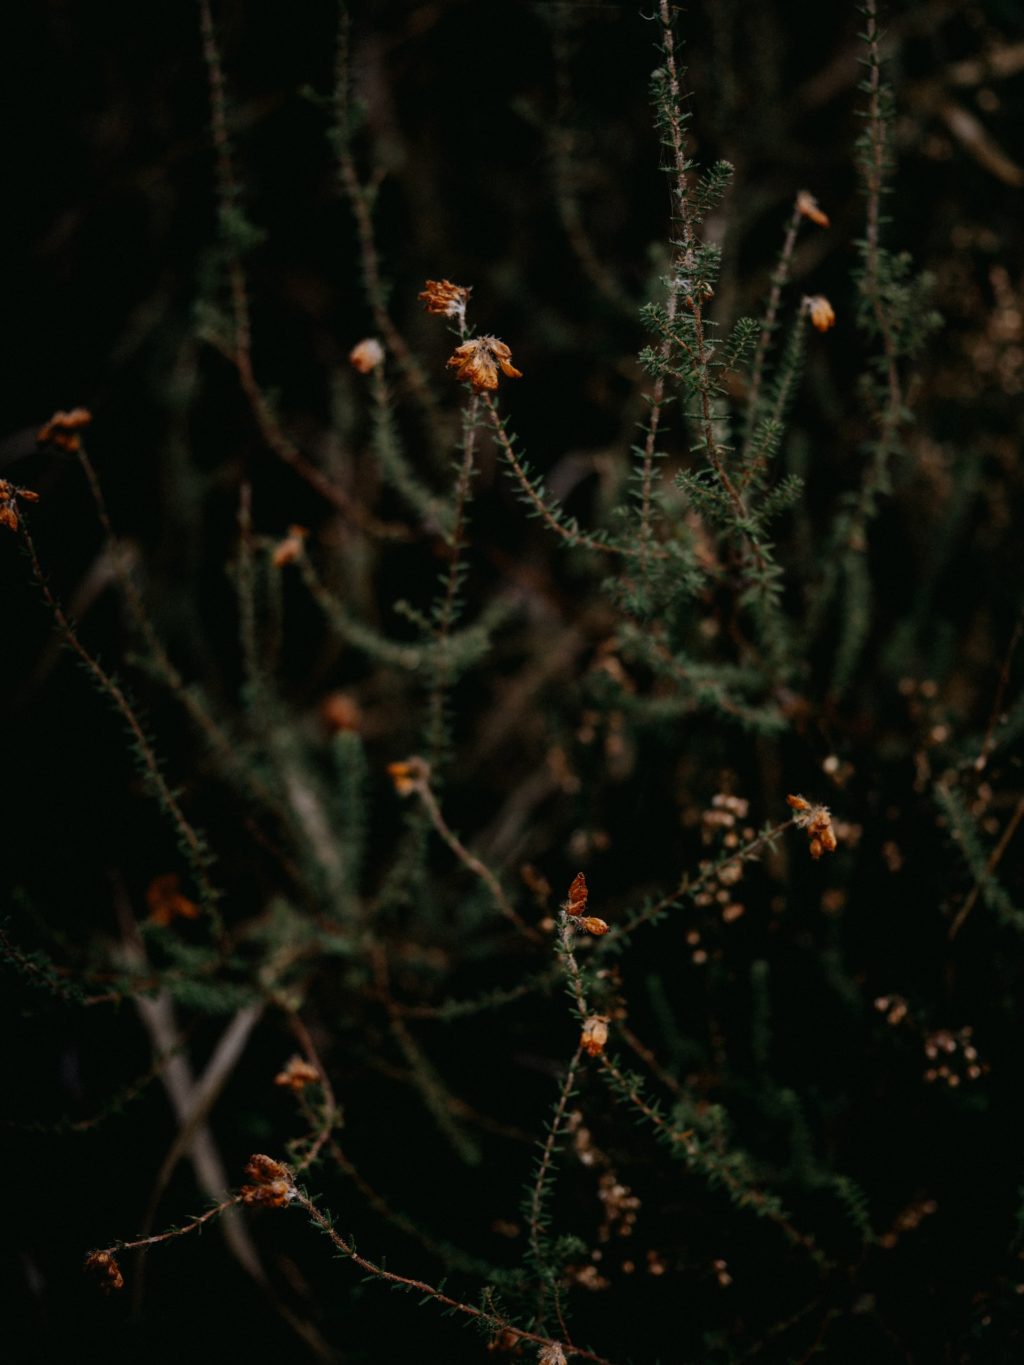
x=227 y=182
x=687 y=887
x=779 y=278
x=219 y=742
x=993 y=862
x=323 y=1127
x=875 y=172
x=176 y=1232
x=479 y=869
x=684 y=1138
x=239 y=352
x=197 y=854
x=575 y=976
x=463 y=487
x=360 y=197
x=657 y=399
x=693 y=302
x=429 y=1291
x=540 y=506
x=537 y=1194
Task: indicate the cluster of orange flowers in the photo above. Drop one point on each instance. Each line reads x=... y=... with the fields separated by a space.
x=297 y=1074
x=577 y=903
x=817 y=822
x=63 y=429
x=105 y=1268
x=476 y=362
x=271 y=1186
x=408 y=775
x=9 y=507
x=167 y=901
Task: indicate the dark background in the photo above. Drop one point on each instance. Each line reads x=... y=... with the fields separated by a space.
x=111 y=216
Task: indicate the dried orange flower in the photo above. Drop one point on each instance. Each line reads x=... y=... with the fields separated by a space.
x=289 y=550
x=409 y=775
x=446 y=300
x=593 y=925
x=63 y=427
x=477 y=363
x=340 y=713
x=578 y=894
x=594 y=1035
x=366 y=355
x=551 y=1354
x=807 y=205
x=103 y=1265
x=820 y=311
x=167 y=901
x=272 y=1184
x=297 y=1074
x=817 y=821
x=9 y=507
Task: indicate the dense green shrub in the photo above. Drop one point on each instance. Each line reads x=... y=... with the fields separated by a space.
x=618 y=758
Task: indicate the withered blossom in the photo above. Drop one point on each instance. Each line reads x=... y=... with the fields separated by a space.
x=166 y=900
x=444 y=299
x=594 y=1035
x=816 y=821
x=63 y=429
x=105 y=1268
x=477 y=363
x=297 y=1074
x=272 y=1183
x=9 y=493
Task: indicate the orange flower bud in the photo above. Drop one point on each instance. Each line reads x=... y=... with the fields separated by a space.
x=594 y=1035
x=578 y=895
x=63 y=427
x=297 y=1074
x=408 y=775
x=166 y=900
x=366 y=355
x=289 y=550
x=807 y=205
x=340 y=713
x=820 y=311
x=593 y=925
